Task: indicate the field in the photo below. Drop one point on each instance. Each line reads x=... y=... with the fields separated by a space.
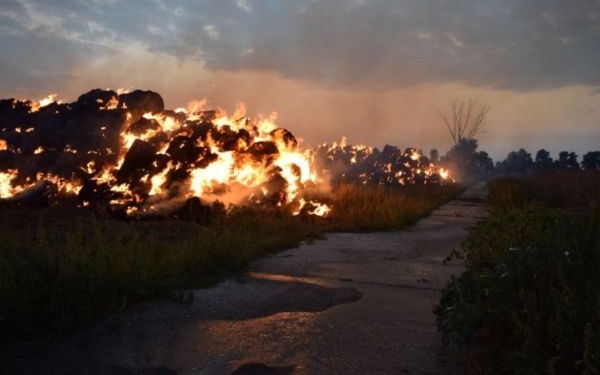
x=62 y=267
x=529 y=300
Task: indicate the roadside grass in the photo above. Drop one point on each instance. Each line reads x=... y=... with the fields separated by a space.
x=370 y=208
x=62 y=267
x=529 y=300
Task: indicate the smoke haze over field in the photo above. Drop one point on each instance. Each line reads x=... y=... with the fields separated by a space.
x=377 y=71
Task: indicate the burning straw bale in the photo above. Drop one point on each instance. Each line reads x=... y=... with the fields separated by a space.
x=369 y=166
x=128 y=153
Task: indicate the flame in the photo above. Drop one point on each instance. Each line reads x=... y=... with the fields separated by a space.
x=35 y=106
x=208 y=154
x=415 y=155
x=366 y=165
x=313 y=208
x=444 y=173
x=320 y=209
x=233 y=174
x=6 y=188
x=69 y=148
x=113 y=103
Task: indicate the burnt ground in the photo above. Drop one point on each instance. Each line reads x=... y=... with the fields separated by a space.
x=348 y=304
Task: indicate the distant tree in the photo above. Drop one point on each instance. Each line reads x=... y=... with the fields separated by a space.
x=591 y=161
x=566 y=160
x=468 y=164
x=543 y=159
x=561 y=162
x=465 y=120
x=516 y=162
x=572 y=160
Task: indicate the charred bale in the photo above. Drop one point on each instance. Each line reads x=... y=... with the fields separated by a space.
x=139 y=102
x=161 y=161
x=7 y=160
x=94 y=100
x=138 y=160
x=276 y=188
x=179 y=116
x=284 y=137
x=93 y=192
x=184 y=150
x=208 y=116
x=200 y=130
x=144 y=125
x=177 y=175
x=36 y=196
x=194 y=209
x=14 y=113
x=262 y=152
x=225 y=138
x=57 y=162
x=87 y=131
x=158 y=140
x=206 y=158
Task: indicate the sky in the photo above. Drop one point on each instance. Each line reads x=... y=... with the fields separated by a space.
x=377 y=72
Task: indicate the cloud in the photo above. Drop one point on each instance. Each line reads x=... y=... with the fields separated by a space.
x=212 y=31
x=356 y=44
x=244 y=5
x=386 y=44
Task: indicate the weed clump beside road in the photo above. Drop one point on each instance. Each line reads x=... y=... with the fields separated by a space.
x=62 y=267
x=529 y=300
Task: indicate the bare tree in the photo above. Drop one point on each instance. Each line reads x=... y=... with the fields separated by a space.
x=467 y=119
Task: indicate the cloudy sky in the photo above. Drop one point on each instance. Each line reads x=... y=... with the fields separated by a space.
x=377 y=71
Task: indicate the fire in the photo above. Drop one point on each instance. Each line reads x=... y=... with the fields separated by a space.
x=138 y=158
x=320 y=209
x=51 y=98
x=233 y=160
x=444 y=173
x=113 y=103
x=6 y=189
x=366 y=165
x=313 y=208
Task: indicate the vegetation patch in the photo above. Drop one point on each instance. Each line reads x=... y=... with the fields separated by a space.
x=61 y=267
x=529 y=300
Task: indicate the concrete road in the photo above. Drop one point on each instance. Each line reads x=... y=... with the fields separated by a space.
x=348 y=304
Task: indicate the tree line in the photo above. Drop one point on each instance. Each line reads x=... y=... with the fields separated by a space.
x=467 y=119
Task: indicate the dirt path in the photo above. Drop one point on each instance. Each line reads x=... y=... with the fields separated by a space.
x=349 y=304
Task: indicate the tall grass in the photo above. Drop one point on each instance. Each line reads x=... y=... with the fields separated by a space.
x=61 y=267
x=368 y=208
